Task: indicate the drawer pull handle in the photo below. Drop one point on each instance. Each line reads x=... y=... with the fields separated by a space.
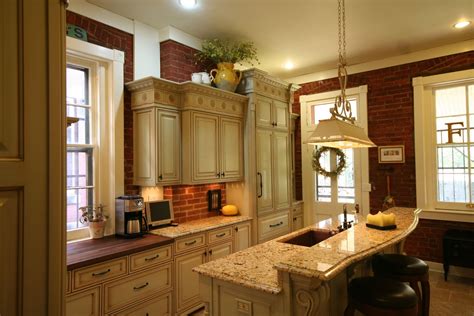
x=101 y=273
x=275 y=225
x=220 y=235
x=190 y=243
x=152 y=258
x=136 y=288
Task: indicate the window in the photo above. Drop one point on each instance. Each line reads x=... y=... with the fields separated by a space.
x=444 y=144
x=324 y=196
x=81 y=143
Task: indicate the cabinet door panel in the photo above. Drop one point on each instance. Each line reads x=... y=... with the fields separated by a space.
x=84 y=303
x=281 y=167
x=280 y=114
x=205 y=146
x=187 y=281
x=243 y=237
x=220 y=251
x=297 y=221
x=232 y=152
x=160 y=306
x=169 y=147
x=144 y=147
x=264 y=170
x=263 y=112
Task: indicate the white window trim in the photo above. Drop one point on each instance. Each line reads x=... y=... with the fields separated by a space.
x=110 y=180
x=425 y=145
x=360 y=93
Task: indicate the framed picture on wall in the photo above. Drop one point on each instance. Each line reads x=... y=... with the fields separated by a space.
x=392 y=154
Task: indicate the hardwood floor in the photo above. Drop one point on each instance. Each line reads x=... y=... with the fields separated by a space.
x=454 y=297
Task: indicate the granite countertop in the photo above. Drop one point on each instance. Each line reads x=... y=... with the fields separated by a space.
x=91 y=251
x=199 y=225
x=258 y=267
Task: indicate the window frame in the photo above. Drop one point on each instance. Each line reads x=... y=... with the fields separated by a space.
x=426 y=146
x=108 y=79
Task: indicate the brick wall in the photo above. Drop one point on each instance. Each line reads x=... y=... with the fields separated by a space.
x=107 y=36
x=190 y=201
x=178 y=61
x=391 y=122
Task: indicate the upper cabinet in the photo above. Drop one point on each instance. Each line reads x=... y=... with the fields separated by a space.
x=186 y=133
x=271 y=113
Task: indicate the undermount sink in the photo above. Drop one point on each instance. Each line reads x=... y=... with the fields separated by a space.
x=310 y=238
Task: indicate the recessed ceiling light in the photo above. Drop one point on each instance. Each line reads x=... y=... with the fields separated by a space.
x=462 y=24
x=188 y=4
x=289 y=65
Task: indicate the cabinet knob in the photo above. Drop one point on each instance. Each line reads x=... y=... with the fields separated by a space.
x=160 y=177
x=223 y=174
x=236 y=229
x=210 y=252
x=218 y=175
x=205 y=253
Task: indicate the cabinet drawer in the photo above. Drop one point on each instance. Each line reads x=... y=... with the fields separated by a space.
x=128 y=290
x=191 y=242
x=149 y=258
x=274 y=226
x=159 y=306
x=99 y=272
x=84 y=303
x=218 y=235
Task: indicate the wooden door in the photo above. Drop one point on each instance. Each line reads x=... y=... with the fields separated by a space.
x=220 y=251
x=144 y=147
x=231 y=141
x=281 y=170
x=205 y=149
x=32 y=155
x=169 y=147
x=187 y=281
x=264 y=170
x=242 y=237
x=263 y=112
x=280 y=114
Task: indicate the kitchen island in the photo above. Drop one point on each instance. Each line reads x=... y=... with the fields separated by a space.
x=281 y=278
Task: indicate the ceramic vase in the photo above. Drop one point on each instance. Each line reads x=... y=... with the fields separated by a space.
x=96 y=229
x=225 y=77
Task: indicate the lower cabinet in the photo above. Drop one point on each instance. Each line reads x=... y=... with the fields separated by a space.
x=242 y=236
x=297 y=216
x=159 y=306
x=187 y=281
x=84 y=303
x=272 y=226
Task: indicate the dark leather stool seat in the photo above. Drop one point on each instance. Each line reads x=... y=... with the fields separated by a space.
x=405 y=269
x=379 y=296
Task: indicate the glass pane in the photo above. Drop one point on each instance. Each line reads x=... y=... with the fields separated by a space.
x=77 y=85
x=450 y=101
x=470 y=90
x=458 y=129
x=321 y=112
x=345 y=181
x=323 y=184
x=79 y=167
x=79 y=133
x=453 y=177
x=75 y=199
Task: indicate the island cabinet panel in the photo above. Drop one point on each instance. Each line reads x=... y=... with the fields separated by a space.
x=126 y=291
x=187 y=281
x=242 y=236
x=213 y=148
x=84 y=303
x=157 y=146
x=159 y=306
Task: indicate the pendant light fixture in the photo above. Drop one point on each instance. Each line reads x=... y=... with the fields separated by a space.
x=340 y=131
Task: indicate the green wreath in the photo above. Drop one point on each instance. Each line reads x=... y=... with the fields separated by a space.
x=341 y=161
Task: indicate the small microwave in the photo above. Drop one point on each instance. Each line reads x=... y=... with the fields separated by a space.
x=159 y=212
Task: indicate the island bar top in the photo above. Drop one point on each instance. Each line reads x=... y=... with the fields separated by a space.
x=257 y=267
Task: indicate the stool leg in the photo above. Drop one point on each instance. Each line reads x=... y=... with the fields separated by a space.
x=425 y=288
x=414 y=286
x=350 y=310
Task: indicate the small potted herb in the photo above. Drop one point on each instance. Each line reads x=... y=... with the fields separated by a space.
x=225 y=54
x=96 y=218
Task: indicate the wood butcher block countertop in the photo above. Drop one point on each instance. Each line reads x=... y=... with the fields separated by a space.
x=86 y=252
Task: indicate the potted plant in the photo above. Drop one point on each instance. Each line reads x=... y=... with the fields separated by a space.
x=225 y=54
x=96 y=218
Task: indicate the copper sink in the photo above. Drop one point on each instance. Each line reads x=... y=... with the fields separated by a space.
x=309 y=238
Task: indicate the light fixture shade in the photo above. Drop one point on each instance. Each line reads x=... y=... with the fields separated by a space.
x=339 y=134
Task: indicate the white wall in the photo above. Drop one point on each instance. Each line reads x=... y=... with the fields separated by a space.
x=146 y=51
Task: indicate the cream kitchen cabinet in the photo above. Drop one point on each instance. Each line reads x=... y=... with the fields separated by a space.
x=157 y=147
x=297 y=215
x=242 y=236
x=271 y=113
x=84 y=303
x=212 y=148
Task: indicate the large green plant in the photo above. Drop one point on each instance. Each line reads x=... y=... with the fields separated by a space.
x=217 y=51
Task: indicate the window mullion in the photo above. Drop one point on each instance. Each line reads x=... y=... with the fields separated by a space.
x=468 y=120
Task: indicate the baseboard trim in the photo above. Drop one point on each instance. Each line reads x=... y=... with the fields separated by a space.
x=453 y=270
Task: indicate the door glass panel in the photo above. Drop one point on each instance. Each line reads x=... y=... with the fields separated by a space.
x=323 y=184
x=345 y=181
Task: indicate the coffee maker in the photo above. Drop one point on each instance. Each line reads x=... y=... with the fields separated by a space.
x=129 y=220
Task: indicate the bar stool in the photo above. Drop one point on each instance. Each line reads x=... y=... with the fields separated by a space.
x=377 y=296
x=405 y=269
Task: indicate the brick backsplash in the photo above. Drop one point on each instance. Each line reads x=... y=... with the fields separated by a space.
x=391 y=122
x=190 y=201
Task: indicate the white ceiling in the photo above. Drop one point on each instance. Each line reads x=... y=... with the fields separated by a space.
x=305 y=31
